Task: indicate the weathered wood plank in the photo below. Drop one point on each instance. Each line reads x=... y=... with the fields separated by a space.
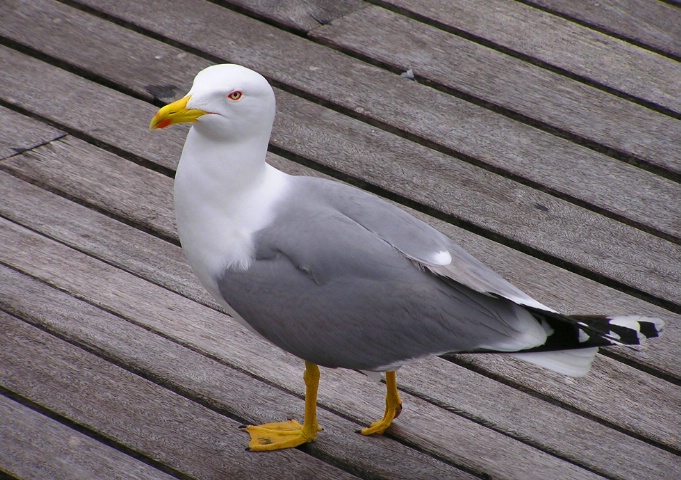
x=101 y=236
x=598 y=124
x=594 y=56
x=133 y=298
x=296 y=14
x=507 y=82
x=146 y=417
x=616 y=396
x=494 y=203
x=655 y=24
x=379 y=96
x=538 y=422
x=126 y=183
x=218 y=386
x=345 y=390
x=19 y=133
x=36 y=447
x=54 y=95
x=165 y=265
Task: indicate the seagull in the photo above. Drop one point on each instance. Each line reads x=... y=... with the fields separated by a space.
x=337 y=276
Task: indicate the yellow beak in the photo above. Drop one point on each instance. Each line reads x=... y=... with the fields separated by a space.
x=175 y=112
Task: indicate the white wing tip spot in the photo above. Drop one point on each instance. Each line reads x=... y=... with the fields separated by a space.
x=442 y=258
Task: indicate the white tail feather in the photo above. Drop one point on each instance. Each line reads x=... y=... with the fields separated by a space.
x=574 y=363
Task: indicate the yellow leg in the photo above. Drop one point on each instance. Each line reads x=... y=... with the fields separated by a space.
x=393 y=407
x=279 y=435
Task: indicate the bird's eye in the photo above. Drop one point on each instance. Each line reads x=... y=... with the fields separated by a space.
x=236 y=95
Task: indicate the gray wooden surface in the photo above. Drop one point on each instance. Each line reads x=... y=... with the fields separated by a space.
x=542 y=136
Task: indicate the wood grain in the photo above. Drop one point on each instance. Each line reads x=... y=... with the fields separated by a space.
x=541 y=423
x=507 y=82
x=144 y=416
x=208 y=381
x=653 y=24
x=100 y=179
x=65 y=98
x=117 y=364
x=19 y=133
x=35 y=446
x=126 y=190
x=300 y=15
x=594 y=56
x=654 y=273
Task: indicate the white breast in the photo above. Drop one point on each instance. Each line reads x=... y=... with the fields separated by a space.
x=216 y=222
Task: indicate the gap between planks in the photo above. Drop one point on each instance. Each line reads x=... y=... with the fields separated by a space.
x=64 y=441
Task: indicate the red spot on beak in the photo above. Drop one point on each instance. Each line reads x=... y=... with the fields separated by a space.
x=164 y=123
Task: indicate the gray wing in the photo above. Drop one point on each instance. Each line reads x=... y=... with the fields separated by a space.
x=421 y=243
x=342 y=292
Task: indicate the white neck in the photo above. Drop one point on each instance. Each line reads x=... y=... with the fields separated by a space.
x=227 y=166
x=224 y=192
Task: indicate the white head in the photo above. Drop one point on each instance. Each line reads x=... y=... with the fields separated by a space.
x=227 y=102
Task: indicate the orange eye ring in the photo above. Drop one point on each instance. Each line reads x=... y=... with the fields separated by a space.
x=235 y=95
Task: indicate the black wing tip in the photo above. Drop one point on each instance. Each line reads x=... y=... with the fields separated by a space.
x=584 y=331
x=623 y=329
x=650 y=329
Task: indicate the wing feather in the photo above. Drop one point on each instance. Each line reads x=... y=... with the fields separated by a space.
x=424 y=245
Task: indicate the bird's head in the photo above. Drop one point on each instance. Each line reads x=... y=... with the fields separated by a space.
x=226 y=102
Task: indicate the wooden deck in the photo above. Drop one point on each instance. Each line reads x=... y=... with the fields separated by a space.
x=542 y=135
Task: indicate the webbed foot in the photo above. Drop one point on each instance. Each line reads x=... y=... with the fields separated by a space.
x=289 y=434
x=279 y=435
